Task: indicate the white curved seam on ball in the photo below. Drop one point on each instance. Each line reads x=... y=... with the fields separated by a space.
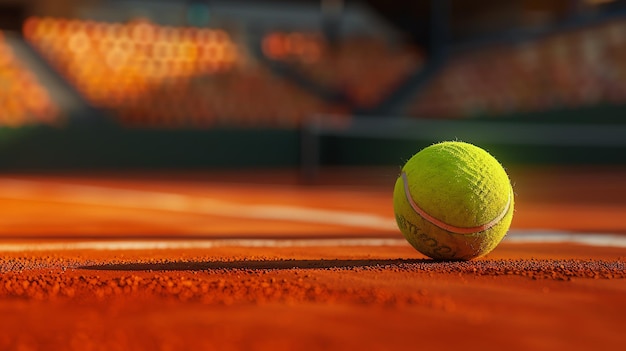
x=446 y=226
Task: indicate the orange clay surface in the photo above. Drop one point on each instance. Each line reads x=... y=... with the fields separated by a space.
x=274 y=278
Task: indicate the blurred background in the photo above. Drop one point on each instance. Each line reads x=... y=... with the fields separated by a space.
x=192 y=84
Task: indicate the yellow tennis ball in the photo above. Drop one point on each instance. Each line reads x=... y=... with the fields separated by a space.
x=453 y=201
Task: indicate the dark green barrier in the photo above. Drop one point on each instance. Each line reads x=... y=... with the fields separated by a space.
x=363 y=151
x=110 y=147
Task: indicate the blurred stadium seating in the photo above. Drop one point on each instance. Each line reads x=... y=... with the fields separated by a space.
x=364 y=68
x=152 y=75
x=159 y=76
x=564 y=70
x=23 y=100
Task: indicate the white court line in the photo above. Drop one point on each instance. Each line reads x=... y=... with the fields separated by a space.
x=553 y=236
x=196 y=244
x=153 y=200
x=601 y=240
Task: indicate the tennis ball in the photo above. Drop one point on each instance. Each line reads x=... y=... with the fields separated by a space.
x=453 y=201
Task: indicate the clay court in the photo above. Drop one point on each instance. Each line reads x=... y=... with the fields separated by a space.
x=220 y=175
x=214 y=260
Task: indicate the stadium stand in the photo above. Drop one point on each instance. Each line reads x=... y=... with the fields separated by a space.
x=365 y=68
x=568 y=69
x=23 y=100
x=159 y=76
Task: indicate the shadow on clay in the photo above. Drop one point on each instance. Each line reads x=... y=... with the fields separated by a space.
x=255 y=265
